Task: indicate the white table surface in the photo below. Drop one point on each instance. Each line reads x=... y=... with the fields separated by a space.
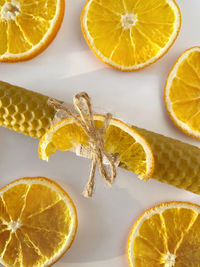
x=65 y=68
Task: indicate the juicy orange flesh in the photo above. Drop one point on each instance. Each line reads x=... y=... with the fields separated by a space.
x=171 y=232
x=27 y=29
x=130 y=32
x=131 y=153
x=185 y=91
x=44 y=223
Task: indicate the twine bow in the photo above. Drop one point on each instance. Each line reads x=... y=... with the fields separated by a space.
x=96 y=137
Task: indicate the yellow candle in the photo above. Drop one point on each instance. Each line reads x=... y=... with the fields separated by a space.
x=27 y=112
x=176 y=163
x=24 y=111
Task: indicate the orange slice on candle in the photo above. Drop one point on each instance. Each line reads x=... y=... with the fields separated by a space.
x=132 y=150
x=27 y=27
x=38 y=222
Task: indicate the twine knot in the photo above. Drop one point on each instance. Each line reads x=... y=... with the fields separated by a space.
x=96 y=138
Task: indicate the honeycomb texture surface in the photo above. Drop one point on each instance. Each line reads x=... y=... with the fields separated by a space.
x=24 y=111
x=27 y=112
x=176 y=163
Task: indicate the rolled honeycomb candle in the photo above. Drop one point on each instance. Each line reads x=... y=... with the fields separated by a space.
x=27 y=112
x=176 y=163
x=24 y=111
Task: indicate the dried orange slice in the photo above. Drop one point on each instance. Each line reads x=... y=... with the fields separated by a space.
x=133 y=151
x=27 y=27
x=182 y=92
x=166 y=236
x=130 y=34
x=37 y=222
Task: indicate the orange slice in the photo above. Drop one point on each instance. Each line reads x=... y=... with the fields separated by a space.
x=166 y=236
x=182 y=92
x=37 y=222
x=27 y=27
x=133 y=151
x=130 y=34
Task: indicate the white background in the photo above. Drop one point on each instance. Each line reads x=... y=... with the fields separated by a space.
x=65 y=68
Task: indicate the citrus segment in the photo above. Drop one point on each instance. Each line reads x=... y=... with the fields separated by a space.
x=187 y=73
x=153 y=231
x=37 y=222
x=144 y=6
x=189 y=248
x=15 y=195
x=123 y=48
x=144 y=262
x=60 y=222
x=132 y=150
x=30 y=254
x=33 y=28
x=115 y=7
x=16 y=42
x=12 y=252
x=144 y=50
x=36 y=205
x=163 y=13
x=4 y=238
x=144 y=250
x=182 y=92
x=3 y=37
x=45 y=9
x=44 y=240
x=3 y=213
x=166 y=235
x=27 y=27
x=157 y=33
x=2 y=227
x=130 y=34
x=113 y=144
x=193 y=60
x=177 y=223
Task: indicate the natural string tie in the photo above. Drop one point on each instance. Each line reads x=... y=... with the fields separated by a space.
x=96 y=136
